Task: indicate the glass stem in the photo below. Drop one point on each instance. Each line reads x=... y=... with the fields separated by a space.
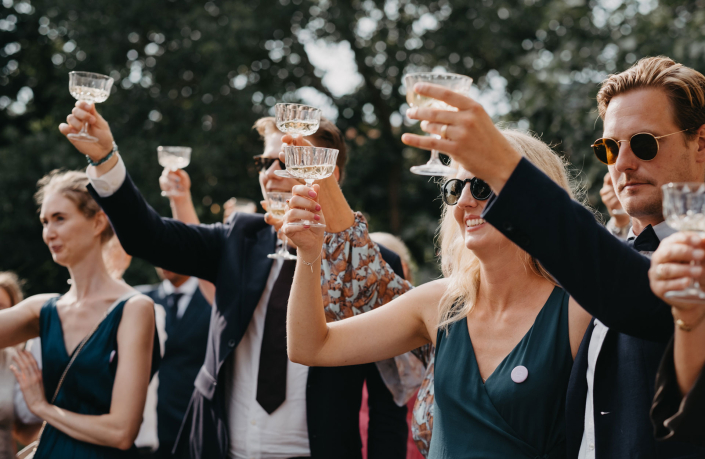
x=694 y=282
x=434 y=157
x=84 y=129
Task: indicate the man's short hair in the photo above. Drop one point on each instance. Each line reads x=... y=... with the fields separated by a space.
x=328 y=135
x=684 y=86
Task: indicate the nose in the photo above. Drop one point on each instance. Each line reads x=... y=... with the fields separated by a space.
x=268 y=174
x=626 y=160
x=466 y=198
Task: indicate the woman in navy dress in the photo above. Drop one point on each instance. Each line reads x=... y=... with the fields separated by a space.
x=98 y=409
x=505 y=333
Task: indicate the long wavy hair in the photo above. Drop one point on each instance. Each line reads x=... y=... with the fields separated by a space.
x=460 y=265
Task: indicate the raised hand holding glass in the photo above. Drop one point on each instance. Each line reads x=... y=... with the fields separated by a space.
x=310 y=164
x=297 y=120
x=90 y=87
x=173 y=158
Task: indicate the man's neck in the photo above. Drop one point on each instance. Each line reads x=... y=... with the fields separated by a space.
x=638 y=224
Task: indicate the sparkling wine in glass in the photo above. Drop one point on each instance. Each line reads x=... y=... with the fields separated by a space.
x=310 y=164
x=684 y=210
x=458 y=83
x=173 y=158
x=296 y=119
x=93 y=88
x=276 y=206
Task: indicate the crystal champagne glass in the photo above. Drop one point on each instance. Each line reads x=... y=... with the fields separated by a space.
x=297 y=120
x=310 y=164
x=173 y=158
x=684 y=210
x=93 y=88
x=276 y=206
x=457 y=83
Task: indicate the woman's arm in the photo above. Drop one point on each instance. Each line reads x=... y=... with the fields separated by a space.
x=578 y=321
x=118 y=428
x=21 y=322
x=404 y=324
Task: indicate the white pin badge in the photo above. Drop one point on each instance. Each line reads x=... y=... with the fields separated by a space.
x=112 y=357
x=519 y=374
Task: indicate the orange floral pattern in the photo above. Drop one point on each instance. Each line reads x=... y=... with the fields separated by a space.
x=354 y=277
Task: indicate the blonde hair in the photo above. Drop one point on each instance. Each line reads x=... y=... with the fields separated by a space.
x=685 y=88
x=459 y=265
x=73 y=186
x=12 y=285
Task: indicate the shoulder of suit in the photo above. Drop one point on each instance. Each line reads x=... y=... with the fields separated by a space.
x=246 y=223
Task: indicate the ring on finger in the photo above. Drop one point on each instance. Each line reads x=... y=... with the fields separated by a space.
x=444 y=132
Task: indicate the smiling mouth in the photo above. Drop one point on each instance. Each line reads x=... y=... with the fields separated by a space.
x=474 y=222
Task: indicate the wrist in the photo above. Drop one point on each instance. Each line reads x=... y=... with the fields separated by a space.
x=40 y=409
x=688 y=319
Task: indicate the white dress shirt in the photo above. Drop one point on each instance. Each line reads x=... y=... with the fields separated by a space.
x=252 y=432
x=587 y=445
x=187 y=289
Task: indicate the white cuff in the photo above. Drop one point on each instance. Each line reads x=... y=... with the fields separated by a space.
x=108 y=183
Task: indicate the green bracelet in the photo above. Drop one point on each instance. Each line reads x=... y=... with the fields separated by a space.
x=107 y=157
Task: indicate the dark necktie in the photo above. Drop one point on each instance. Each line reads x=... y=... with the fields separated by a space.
x=172 y=309
x=271 y=380
x=647 y=241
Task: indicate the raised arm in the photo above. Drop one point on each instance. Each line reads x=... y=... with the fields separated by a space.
x=400 y=326
x=187 y=249
x=118 y=428
x=20 y=323
x=605 y=276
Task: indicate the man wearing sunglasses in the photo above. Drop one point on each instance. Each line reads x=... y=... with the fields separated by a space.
x=654 y=133
x=249 y=400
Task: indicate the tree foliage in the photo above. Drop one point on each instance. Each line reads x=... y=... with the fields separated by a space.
x=199 y=74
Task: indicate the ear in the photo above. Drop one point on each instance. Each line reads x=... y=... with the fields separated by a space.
x=700 y=139
x=100 y=222
x=336 y=174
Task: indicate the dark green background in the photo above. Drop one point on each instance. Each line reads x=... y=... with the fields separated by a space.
x=547 y=57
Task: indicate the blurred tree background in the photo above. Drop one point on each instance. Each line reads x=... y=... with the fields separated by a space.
x=200 y=73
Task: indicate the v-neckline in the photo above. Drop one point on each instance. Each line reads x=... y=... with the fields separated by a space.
x=516 y=346
x=107 y=313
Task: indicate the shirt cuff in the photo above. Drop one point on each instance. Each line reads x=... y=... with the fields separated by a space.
x=108 y=183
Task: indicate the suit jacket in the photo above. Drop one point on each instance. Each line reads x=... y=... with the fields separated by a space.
x=609 y=280
x=233 y=256
x=184 y=352
x=676 y=417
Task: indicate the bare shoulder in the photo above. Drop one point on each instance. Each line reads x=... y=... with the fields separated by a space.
x=139 y=306
x=35 y=302
x=431 y=290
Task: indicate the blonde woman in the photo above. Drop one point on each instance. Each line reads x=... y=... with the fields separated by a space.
x=505 y=333
x=98 y=339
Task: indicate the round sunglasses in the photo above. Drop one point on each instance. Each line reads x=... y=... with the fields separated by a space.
x=262 y=163
x=453 y=188
x=644 y=145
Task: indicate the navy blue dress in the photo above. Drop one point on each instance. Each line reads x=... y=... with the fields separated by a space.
x=502 y=418
x=88 y=386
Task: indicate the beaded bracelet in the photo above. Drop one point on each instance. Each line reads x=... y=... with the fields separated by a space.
x=107 y=157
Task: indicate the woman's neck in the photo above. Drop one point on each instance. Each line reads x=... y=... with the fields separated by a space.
x=89 y=276
x=506 y=280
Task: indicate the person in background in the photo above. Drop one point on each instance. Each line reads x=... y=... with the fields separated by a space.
x=186 y=336
x=15 y=425
x=239 y=407
x=619 y=223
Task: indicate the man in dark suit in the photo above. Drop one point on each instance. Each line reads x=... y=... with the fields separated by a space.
x=249 y=400
x=186 y=326
x=612 y=382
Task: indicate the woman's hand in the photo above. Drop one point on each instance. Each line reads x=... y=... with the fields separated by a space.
x=176 y=184
x=671 y=270
x=82 y=113
x=304 y=205
x=470 y=137
x=29 y=377
x=271 y=219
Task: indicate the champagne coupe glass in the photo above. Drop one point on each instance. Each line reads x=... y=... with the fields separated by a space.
x=296 y=119
x=276 y=206
x=173 y=158
x=309 y=164
x=684 y=210
x=93 y=88
x=457 y=83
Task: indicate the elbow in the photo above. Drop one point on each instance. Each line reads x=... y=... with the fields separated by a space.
x=302 y=358
x=124 y=439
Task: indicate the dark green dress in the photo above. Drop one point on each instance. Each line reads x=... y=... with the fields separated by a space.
x=502 y=418
x=88 y=385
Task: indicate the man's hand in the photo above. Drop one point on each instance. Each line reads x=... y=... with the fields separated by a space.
x=471 y=137
x=674 y=266
x=82 y=113
x=614 y=207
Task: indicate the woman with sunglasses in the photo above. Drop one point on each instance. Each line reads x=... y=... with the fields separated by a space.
x=505 y=333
